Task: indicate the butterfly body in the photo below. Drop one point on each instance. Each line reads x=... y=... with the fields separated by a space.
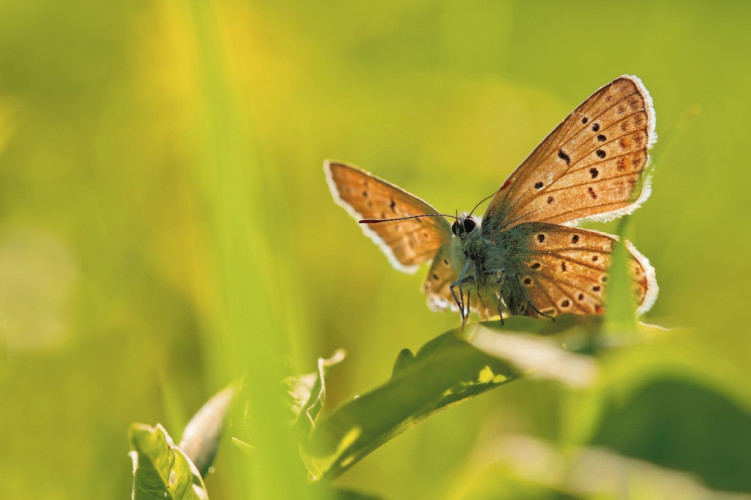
x=484 y=262
x=526 y=255
x=496 y=264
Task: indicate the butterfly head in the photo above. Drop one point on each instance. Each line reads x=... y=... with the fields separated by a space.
x=463 y=225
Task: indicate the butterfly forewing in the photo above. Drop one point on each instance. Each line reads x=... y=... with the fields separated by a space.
x=406 y=243
x=564 y=269
x=591 y=165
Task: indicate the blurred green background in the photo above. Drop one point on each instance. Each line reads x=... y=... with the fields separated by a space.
x=130 y=132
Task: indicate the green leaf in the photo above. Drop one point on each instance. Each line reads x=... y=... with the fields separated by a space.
x=652 y=423
x=541 y=356
x=160 y=469
x=329 y=493
x=307 y=392
x=445 y=371
x=404 y=359
x=202 y=434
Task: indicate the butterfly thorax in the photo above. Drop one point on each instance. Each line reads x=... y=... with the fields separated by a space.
x=471 y=245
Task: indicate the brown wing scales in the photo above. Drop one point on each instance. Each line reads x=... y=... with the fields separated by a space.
x=407 y=243
x=565 y=269
x=590 y=165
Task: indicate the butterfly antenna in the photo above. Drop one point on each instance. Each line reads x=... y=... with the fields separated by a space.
x=378 y=221
x=480 y=203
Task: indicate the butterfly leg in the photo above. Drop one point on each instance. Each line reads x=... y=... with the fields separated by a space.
x=463 y=278
x=466 y=314
x=459 y=299
x=526 y=296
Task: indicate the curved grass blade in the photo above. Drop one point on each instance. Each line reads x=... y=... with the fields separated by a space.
x=201 y=436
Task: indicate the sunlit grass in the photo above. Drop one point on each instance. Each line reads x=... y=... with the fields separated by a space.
x=166 y=231
x=246 y=333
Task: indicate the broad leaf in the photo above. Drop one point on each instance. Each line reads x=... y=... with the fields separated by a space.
x=307 y=393
x=446 y=370
x=160 y=469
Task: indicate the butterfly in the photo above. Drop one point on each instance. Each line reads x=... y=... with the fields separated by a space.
x=526 y=255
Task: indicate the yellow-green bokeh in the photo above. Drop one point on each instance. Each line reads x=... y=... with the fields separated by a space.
x=125 y=129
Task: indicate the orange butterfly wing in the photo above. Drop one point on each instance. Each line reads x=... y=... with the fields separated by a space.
x=406 y=243
x=590 y=166
x=565 y=269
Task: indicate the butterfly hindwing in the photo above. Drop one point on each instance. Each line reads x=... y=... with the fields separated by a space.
x=445 y=270
x=590 y=166
x=565 y=270
x=406 y=243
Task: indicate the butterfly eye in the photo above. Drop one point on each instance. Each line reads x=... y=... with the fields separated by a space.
x=455 y=227
x=469 y=225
